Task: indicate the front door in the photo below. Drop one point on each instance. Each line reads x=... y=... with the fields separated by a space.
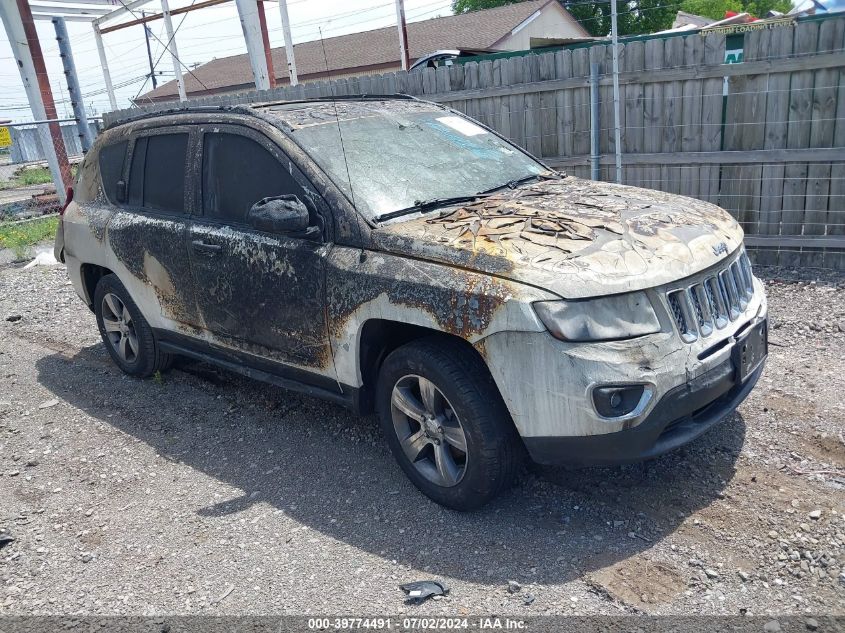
x=257 y=292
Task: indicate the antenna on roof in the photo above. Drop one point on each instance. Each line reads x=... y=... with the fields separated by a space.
x=337 y=120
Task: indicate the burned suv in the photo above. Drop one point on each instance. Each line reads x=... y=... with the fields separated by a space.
x=395 y=256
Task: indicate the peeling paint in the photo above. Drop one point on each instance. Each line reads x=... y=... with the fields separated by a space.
x=578 y=238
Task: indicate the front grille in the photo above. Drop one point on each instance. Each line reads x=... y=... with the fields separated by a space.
x=709 y=303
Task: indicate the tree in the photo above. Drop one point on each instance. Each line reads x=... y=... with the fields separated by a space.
x=635 y=16
x=465 y=6
x=715 y=9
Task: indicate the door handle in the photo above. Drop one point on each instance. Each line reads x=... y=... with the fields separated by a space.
x=205 y=248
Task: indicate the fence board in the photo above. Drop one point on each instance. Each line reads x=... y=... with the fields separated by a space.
x=673 y=55
x=547 y=103
x=798 y=136
x=634 y=110
x=565 y=114
x=836 y=226
x=822 y=128
x=689 y=184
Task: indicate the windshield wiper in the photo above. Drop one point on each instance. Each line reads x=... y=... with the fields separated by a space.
x=421 y=206
x=511 y=184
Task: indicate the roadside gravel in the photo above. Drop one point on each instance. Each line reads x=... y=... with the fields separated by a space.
x=208 y=493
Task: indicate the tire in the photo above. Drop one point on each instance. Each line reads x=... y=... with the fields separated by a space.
x=124 y=329
x=468 y=402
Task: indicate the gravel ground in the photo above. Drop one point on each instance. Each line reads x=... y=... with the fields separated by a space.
x=204 y=492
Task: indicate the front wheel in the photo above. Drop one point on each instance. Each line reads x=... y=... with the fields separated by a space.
x=446 y=423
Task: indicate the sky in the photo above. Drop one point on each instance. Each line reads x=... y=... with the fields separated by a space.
x=202 y=35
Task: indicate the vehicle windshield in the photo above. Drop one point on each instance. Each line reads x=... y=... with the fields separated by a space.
x=402 y=153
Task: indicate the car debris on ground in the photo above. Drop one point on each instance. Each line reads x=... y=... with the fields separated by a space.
x=421 y=590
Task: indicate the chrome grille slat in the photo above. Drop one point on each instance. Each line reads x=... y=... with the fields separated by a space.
x=705 y=312
x=729 y=285
x=739 y=282
x=684 y=320
x=714 y=293
x=710 y=303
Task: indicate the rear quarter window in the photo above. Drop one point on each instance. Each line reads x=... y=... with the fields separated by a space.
x=111 y=159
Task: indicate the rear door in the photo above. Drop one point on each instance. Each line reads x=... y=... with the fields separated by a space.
x=258 y=292
x=148 y=233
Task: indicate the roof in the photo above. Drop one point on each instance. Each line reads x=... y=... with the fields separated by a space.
x=474 y=30
x=683 y=18
x=279 y=109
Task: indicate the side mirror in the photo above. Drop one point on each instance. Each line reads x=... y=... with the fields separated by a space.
x=120 y=192
x=280 y=214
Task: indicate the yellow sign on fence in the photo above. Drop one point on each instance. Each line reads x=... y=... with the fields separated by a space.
x=5 y=137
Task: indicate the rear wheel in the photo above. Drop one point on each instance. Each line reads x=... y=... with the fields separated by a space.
x=127 y=336
x=446 y=423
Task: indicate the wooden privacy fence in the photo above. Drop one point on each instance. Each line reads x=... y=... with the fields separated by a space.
x=765 y=138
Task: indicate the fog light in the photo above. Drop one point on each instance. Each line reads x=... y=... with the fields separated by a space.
x=617 y=401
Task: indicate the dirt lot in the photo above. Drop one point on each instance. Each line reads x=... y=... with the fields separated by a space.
x=205 y=492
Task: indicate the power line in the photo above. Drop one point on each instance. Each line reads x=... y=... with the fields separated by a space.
x=167 y=46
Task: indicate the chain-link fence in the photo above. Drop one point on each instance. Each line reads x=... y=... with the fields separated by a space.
x=37 y=161
x=27 y=183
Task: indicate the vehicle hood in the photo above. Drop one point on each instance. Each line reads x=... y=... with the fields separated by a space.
x=574 y=237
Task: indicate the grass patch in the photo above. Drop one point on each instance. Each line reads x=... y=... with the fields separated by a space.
x=28 y=176
x=19 y=237
x=34 y=176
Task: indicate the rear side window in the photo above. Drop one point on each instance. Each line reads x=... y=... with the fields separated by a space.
x=237 y=172
x=157 y=174
x=111 y=168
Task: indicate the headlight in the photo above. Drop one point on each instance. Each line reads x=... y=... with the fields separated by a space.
x=604 y=319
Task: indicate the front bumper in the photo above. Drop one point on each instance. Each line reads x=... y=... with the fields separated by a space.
x=548 y=386
x=681 y=415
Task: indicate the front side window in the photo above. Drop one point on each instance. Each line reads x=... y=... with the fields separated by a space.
x=111 y=168
x=237 y=172
x=157 y=174
x=400 y=153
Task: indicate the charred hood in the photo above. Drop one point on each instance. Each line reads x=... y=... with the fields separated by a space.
x=577 y=238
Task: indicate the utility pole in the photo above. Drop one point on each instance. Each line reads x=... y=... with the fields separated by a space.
x=171 y=44
x=403 y=35
x=149 y=52
x=20 y=29
x=86 y=139
x=104 y=64
x=265 y=40
x=617 y=132
x=283 y=10
x=251 y=27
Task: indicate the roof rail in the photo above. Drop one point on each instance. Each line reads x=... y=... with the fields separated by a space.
x=250 y=107
x=245 y=109
x=360 y=97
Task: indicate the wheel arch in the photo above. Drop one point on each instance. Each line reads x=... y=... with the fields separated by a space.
x=378 y=338
x=91 y=275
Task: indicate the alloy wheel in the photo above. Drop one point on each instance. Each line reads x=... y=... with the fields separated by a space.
x=429 y=430
x=120 y=329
